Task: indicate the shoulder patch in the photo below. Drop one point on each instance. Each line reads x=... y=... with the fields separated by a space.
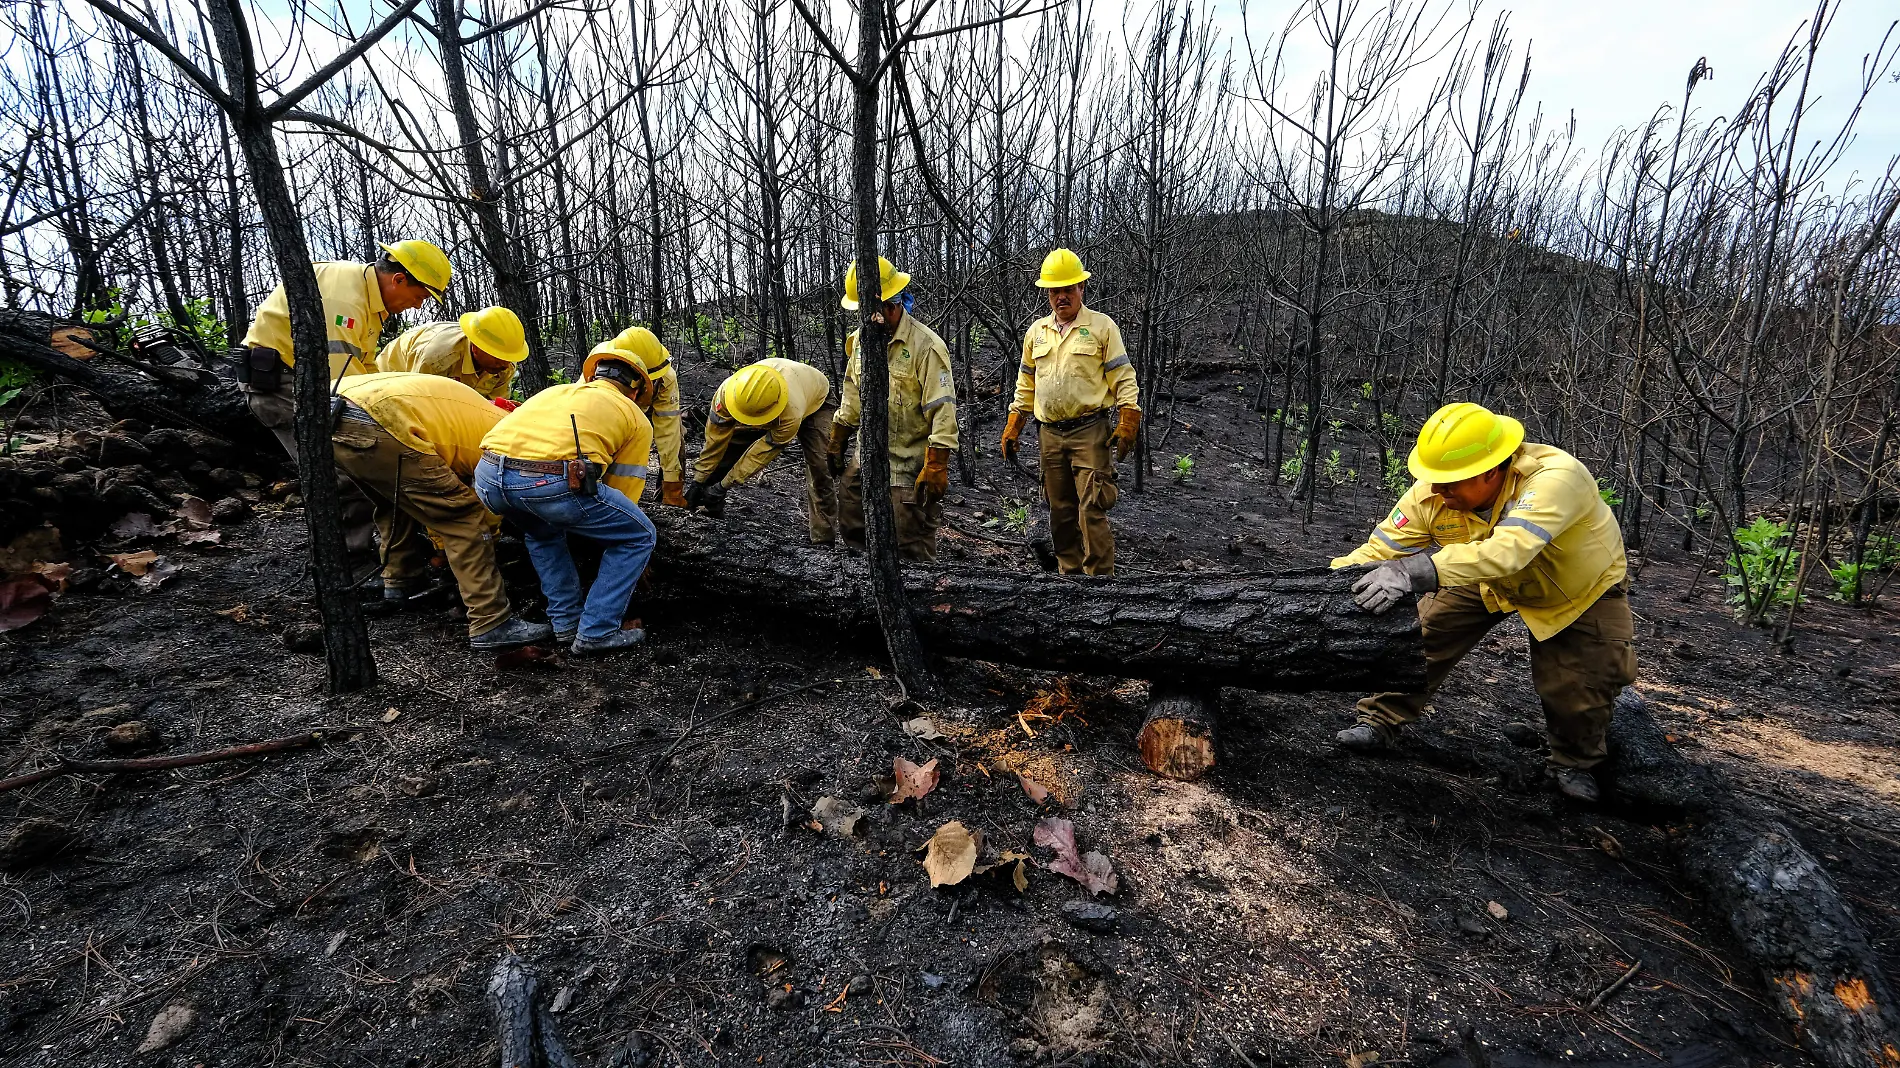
x=1399 y=519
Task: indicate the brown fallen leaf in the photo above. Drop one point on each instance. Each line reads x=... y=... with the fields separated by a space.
x=911 y=781
x=59 y=573
x=195 y=511
x=137 y=563
x=1037 y=792
x=200 y=537
x=921 y=728
x=237 y=613
x=1093 y=870
x=951 y=855
x=1016 y=864
x=836 y=817
x=23 y=599
x=167 y=1027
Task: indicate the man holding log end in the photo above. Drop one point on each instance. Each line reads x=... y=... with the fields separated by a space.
x=922 y=425
x=754 y=415
x=479 y=349
x=1517 y=527
x=1077 y=381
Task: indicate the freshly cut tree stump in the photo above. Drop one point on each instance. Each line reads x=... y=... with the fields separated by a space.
x=1288 y=632
x=1177 y=737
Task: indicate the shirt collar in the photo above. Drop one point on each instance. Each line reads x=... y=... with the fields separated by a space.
x=373 y=294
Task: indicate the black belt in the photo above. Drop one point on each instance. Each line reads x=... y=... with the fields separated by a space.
x=538 y=467
x=357 y=415
x=1077 y=423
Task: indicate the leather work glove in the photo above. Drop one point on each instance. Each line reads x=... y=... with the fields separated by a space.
x=934 y=480
x=716 y=500
x=695 y=495
x=1126 y=427
x=1013 y=434
x=670 y=494
x=1387 y=584
x=834 y=457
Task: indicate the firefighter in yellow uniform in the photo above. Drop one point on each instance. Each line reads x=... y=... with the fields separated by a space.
x=1516 y=527
x=411 y=442
x=922 y=422
x=755 y=414
x=665 y=410
x=573 y=460
x=1076 y=380
x=480 y=350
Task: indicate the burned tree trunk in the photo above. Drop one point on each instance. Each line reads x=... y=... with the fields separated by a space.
x=1297 y=631
x=1177 y=737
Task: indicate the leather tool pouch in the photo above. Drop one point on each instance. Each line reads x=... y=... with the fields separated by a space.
x=262 y=370
x=583 y=478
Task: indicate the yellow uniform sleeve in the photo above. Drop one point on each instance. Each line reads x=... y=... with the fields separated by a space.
x=1025 y=400
x=1546 y=505
x=1119 y=371
x=762 y=452
x=938 y=395
x=718 y=437
x=851 y=408
x=666 y=424
x=628 y=471
x=1406 y=531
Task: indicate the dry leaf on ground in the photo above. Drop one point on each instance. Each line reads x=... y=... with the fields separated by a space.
x=951 y=855
x=200 y=537
x=137 y=563
x=196 y=511
x=911 y=781
x=834 y=816
x=921 y=728
x=168 y=1026
x=1093 y=870
x=59 y=573
x=23 y=599
x=237 y=613
x=1498 y=912
x=133 y=525
x=1016 y=863
x=1037 y=792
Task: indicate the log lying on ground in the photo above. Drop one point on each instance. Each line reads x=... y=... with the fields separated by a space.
x=1780 y=904
x=1291 y=632
x=1177 y=737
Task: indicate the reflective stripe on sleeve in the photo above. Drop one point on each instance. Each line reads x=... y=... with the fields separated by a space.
x=1406 y=549
x=1029 y=369
x=1119 y=361
x=939 y=402
x=668 y=413
x=626 y=471
x=1514 y=521
x=344 y=346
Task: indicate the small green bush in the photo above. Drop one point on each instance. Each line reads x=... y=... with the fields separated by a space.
x=1761 y=577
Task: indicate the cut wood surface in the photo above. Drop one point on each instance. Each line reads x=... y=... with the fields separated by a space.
x=1177 y=736
x=1293 y=631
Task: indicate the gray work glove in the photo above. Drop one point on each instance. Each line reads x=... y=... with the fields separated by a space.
x=1386 y=585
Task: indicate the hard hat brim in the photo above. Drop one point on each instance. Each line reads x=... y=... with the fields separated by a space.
x=605 y=352
x=1052 y=283
x=1510 y=437
x=770 y=414
x=511 y=355
x=411 y=272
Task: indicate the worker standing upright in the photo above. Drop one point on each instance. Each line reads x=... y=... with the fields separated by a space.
x=1517 y=527
x=922 y=421
x=573 y=460
x=755 y=414
x=411 y=442
x=357 y=299
x=1077 y=382
x=479 y=349
x=664 y=411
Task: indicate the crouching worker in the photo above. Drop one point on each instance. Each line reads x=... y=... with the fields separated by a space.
x=573 y=460
x=1518 y=527
x=411 y=441
x=756 y=413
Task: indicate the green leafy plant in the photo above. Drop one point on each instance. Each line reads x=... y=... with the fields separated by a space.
x=1607 y=490
x=1291 y=468
x=1761 y=576
x=1183 y=467
x=1333 y=472
x=1398 y=477
x=1850 y=578
x=558 y=376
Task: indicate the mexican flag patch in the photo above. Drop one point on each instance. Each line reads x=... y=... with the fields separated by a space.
x=1399 y=519
x=346 y=322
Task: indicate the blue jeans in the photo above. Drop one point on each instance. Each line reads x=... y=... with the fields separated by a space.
x=547 y=512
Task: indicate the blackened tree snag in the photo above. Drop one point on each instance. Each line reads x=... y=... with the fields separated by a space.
x=1177 y=737
x=1289 y=632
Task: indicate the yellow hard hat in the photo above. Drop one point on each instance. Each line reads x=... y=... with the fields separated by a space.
x=496 y=331
x=891 y=280
x=1061 y=268
x=1461 y=440
x=607 y=350
x=424 y=262
x=642 y=343
x=754 y=395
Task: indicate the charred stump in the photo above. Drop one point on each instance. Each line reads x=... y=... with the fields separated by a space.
x=1177 y=736
x=1295 y=631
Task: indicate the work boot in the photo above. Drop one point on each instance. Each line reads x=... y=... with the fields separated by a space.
x=513 y=632
x=1364 y=738
x=1578 y=784
x=565 y=637
x=618 y=640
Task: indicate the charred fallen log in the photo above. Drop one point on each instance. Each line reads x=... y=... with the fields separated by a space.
x=1295 y=631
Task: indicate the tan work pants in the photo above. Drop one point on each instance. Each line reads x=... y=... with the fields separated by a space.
x=916 y=524
x=725 y=445
x=1577 y=672
x=277 y=412
x=411 y=489
x=1078 y=475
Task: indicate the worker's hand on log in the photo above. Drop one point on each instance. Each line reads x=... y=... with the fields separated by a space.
x=670 y=494
x=695 y=495
x=934 y=480
x=1013 y=435
x=1386 y=585
x=716 y=500
x=1126 y=427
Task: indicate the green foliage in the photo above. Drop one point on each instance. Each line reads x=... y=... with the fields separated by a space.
x=14 y=377
x=1389 y=426
x=1761 y=577
x=1365 y=390
x=199 y=322
x=1849 y=577
x=558 y=376
x=1607 y=490
x=1398 y=477
x=1291 y=468
x=1332 y=472
x=1015 y=517
x=1183 y=467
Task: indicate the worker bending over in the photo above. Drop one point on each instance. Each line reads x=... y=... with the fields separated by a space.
x=922 y=422
x=480 y=350
x=1075 y=375
x=357 y=299
x=755 y=413
x=1516 y=527
x=663 y=411
x=411 y=442
x=573 y=460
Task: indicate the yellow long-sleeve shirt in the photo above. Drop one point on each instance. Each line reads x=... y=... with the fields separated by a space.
x=1077 y=371
x=923 y=396
x=665 y=416
x=442 y=349
x=613 y=431
x=428 y=413
x=1548 y=550
x=353 y=313
x=807 y=389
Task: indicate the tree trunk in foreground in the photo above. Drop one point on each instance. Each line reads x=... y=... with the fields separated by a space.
x=1289 y=632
